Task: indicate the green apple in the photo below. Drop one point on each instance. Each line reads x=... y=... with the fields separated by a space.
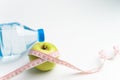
x=46 y=48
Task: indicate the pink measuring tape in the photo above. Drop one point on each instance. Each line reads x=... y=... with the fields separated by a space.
x=51 y=58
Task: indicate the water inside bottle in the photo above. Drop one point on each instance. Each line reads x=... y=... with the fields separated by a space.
x=15 y=39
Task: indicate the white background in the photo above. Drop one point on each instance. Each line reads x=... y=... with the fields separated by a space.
x=79 y=29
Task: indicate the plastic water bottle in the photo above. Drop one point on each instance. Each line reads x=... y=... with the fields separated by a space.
x=16 y=38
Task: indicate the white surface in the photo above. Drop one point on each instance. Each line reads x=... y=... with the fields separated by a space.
x=79 y=29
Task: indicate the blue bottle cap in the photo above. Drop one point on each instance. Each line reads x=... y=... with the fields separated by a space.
x=41 y=36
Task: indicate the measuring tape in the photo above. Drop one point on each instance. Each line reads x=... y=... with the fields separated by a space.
x=42 y=57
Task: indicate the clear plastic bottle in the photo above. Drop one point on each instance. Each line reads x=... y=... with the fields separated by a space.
x=16 y=38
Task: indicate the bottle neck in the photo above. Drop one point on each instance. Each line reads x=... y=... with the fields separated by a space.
x=30 y=39
x=34 y=36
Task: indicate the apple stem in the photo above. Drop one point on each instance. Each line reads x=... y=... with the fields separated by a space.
x=44 y=47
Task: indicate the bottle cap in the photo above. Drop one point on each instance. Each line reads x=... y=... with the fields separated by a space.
x=41 y=36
